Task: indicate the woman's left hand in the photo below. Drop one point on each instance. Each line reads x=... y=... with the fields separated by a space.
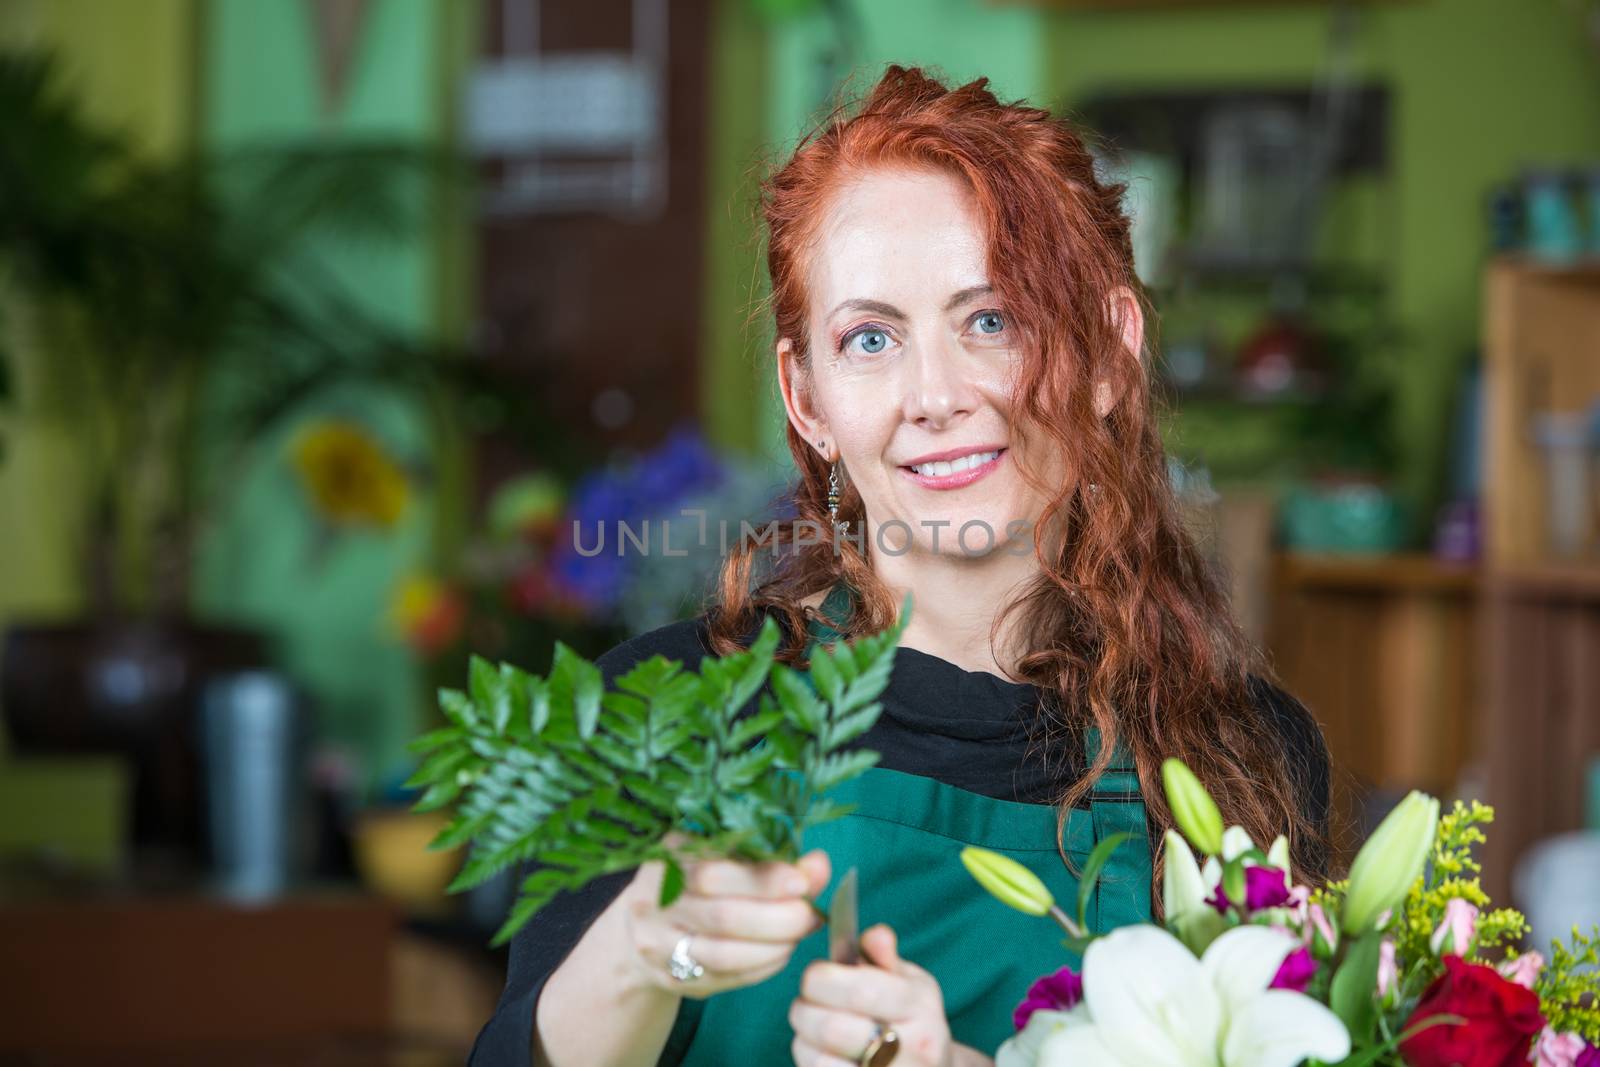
x=838 y=1006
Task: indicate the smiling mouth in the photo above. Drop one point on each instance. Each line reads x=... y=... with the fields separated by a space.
x=954 y=473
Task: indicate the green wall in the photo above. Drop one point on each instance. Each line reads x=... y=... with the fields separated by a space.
x=267 y=562
x=1479 y=89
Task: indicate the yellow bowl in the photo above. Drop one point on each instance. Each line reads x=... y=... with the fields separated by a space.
x=393 y=858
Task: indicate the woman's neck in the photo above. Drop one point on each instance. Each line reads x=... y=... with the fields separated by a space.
x=954 y=601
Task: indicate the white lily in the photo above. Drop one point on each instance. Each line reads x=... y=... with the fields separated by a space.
x=1184 y=891
x=1149 y=1003
x=1183 y=888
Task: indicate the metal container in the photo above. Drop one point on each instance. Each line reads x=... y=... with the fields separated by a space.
x=253 y=740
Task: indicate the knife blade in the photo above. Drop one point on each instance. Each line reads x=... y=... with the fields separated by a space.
x=844 y=922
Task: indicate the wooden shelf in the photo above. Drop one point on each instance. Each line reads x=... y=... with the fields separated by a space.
x=1548 y=581
x=1404 y=573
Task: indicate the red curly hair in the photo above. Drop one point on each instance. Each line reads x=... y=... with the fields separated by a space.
x=1135 y=636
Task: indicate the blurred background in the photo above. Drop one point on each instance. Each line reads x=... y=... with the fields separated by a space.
x=321 y=321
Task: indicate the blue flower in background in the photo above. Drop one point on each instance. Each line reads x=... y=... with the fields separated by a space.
x=651 y=487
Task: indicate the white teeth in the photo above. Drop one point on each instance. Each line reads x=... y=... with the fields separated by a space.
x=955 y=466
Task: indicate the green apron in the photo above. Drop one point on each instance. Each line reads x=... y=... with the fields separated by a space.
x=905 y=837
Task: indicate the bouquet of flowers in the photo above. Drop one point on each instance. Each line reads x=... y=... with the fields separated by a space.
x=1404 y=963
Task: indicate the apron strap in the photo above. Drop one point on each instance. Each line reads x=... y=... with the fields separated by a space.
x=1115 y=801
x=836 y=608
x=1117 y=806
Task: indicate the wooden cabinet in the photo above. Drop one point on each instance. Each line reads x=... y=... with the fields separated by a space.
x=1379 y=649
x=1540 y=639
x=1485 y=679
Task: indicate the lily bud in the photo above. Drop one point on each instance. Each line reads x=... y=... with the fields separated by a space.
x=1278 y=855
x=1009 y=881
x=1183 y=891
x=1390 y=861
x=1192 y=807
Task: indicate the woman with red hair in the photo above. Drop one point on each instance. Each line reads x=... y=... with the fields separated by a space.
x=961 y=350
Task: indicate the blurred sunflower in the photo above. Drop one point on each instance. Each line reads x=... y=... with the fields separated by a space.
x=350 y=479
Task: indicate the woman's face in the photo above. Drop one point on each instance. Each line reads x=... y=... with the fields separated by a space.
x=911 y=360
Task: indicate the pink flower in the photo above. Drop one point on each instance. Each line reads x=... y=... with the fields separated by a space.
x=1558 y=1050
x=1456 y=931
x=1299 y=903
x=1524 y=970
x=1264 y=887
x=1295 y=972
x=1388 y=972
x=1058 y=992
x=1324 y=940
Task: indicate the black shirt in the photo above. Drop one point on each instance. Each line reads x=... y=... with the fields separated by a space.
x=965 y=728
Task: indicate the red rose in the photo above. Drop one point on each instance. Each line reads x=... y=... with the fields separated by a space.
x=1502 y=1019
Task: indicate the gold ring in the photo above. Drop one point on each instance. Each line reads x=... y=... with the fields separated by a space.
x=883 y=1047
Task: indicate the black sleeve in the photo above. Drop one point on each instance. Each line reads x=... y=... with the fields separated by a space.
x=1307 y=755
x=545 y=942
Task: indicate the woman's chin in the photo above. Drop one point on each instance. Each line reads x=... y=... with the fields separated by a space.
x=963 y=535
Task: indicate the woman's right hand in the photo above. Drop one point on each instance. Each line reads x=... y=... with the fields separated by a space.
x=746 y=920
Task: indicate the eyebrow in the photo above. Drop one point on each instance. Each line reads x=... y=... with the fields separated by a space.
x=878 y=307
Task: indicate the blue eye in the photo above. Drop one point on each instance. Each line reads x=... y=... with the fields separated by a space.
x=990 y=322
x=872 y=341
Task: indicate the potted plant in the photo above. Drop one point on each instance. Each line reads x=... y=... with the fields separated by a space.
x=178 y=317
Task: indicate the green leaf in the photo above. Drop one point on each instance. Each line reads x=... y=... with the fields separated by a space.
x=841 y=767
x=754 y=726
x=825 y=673
x=577 y=683
x=851 y=726
x=789 y=747
x=1353 y=994
x=439 y=767
x=1091 y=872
x=672 y=882
x=619 y=756
x=483 y=682
x=434 y=739
x=628 y=729
x=457 y=707
x=537 y=691
x=740 y=771
x=797 y=700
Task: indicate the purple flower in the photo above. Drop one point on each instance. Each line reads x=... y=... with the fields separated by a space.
x=1055 y=992
x=1264 y=887
x=1589 y=1057
x=1295 y=972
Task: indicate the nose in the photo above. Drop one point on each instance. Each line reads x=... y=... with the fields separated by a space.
x=938 y=389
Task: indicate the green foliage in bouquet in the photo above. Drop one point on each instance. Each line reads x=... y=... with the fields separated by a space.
x=1569 y=996
x=1569 y=985
x=1453 y=874
x=587 y=781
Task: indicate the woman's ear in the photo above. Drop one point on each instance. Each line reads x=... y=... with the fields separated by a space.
x=799 y=401
x=1129 y=319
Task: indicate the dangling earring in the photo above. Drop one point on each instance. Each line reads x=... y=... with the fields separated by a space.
x=833 y=500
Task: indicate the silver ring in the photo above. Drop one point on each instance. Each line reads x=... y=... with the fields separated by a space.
x=683 y=966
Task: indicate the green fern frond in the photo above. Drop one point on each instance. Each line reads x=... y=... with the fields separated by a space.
x=584 y=781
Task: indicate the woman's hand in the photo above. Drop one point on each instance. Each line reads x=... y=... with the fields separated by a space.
x=746 y=920
x=838 y=1006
